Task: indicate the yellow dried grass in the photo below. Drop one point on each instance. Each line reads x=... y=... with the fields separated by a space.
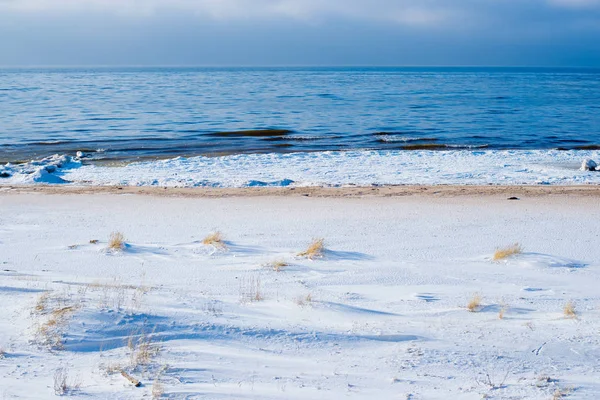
x=215 y=239
x=314 y=250
x=474 y=303
x=507 y=251
x=276 y=265
x=569 y=310
x=116 y=241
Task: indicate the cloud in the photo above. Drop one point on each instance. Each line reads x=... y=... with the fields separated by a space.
x=410 y=12
x=405 y=12
x=316 y=32
x=576 y=4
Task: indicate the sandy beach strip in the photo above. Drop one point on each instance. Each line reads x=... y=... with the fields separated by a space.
x=313 y=191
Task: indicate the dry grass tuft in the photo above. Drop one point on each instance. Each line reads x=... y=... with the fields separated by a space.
x=569 y=310
x=63 y=312
x=314 y=250
x=251 y=290
x=529 y=325
x=97 y=285
x=507 y=251
x=116 y=241
x=561 y=393
x=276 y=265
x=42 y=303
x=305 y=301
x=215 y=239
x=143 y=350
x=474 y=303
x=213 y=307
x=50 y=333
x=112 y=368
x=2 y=353
x=502 y=312
x=157 y=388
x=60 y=381
x=62 y=384
x=116 y=295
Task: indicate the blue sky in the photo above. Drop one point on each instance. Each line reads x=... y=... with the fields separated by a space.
x=300 y=32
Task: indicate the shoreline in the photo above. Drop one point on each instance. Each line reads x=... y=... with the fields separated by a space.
x=314 y=191
x=351 y=169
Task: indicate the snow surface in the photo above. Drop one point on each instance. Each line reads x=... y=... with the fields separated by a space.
x=386 y=317
x=481 y=167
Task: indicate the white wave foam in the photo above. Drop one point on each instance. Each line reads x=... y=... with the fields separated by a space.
x=508 y=167
x=466 y=146
x=303 y=137
x=397 y=138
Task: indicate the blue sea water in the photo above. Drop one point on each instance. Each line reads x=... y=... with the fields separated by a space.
x=145 y=113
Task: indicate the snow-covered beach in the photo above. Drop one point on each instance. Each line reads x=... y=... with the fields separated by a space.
x=299 y=199
x=317 y=169
x=383 y=314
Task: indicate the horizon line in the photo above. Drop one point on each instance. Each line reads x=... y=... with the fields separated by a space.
x=63 y=66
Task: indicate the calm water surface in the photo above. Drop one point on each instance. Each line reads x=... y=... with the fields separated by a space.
x=134 y=113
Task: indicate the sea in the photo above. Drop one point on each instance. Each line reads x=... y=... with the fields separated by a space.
x=116 y=117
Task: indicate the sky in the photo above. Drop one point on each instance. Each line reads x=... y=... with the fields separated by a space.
x=300 y=32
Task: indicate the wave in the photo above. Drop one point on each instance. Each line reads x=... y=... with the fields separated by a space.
x=587 y=147
x=436 y=146
x=393 y=139
x=406 y=132
x=467 y=146
x=254 y=141
x=300 y=138
x=252 y=133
